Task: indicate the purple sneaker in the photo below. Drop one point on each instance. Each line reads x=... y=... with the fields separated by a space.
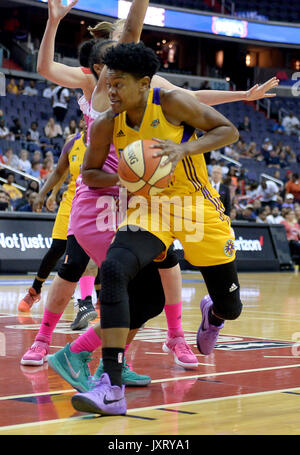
x=104 y=399
x=207 y=334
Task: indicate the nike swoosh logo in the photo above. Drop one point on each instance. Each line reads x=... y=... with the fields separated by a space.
x=105 y=401
x=74 y=374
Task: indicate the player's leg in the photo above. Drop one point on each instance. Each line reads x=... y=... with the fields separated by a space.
x=146 y=300
x=86 y=311
x=48 y=263
x=60 y=292
x=222 y=303
x=175 y=343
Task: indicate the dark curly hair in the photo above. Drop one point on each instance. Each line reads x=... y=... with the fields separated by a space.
x=135 y=59
x=84 y=52
x=97 y=52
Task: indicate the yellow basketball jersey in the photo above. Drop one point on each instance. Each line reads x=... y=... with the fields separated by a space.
x=190 y=174
x=77 y=149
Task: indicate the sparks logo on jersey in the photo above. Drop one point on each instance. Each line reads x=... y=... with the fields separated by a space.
x=120 y=134
x=155 y=123
x=229 y=248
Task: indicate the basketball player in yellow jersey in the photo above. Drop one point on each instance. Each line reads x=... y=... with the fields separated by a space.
x=70 y=161
x=140 y=113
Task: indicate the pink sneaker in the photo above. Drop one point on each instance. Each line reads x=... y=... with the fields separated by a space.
x=37 y=354
x=183 y=355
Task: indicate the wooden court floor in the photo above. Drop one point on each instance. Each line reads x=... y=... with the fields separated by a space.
x=249 y=385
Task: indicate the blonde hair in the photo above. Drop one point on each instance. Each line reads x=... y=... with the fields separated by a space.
x=105 y=29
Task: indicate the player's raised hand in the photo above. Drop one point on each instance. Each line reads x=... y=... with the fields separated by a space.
x=57 y=11
x=260 y=91
x=173 y=151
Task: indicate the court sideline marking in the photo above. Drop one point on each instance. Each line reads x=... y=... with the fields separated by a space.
x=148 y=408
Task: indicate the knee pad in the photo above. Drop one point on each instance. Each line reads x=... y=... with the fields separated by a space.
x=91 y=269
x=228 y=307
x=120 y=266
x=72 y=268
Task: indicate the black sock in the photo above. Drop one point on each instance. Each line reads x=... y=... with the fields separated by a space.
x=37 y=285
x=113 y=363
x=214 y=320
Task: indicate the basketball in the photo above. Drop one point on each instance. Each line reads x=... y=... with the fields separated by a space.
x=140 y=172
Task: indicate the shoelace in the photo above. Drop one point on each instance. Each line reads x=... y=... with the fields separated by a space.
x=184 y=347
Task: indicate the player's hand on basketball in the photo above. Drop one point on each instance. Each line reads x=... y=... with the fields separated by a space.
x=173 y=151
x=260 y=91
x=38 y=204
x=57 y=10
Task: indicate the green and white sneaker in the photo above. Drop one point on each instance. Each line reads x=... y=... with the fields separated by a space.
x=129 y=377
x=72 y=367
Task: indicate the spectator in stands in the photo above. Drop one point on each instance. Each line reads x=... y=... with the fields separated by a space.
x=283 y=159
x=293 y=186
x=1 y=115
x=35 y=170
x=275 y=217
x=31 y=197
x=36 y=157
x=21 y=87
x=33 y=134
x=11 y=189
x=291 y=124
x=246 y=125
x=278 y=127
x=5 y=205
x=24 y=164
x=297 y=212
x=31 y=90
x=231 y=152
x=233 y=213
x=33 y=185
x=251 y=151
x=292 y=229
x=47 y=168
x=267 y=191
x=12 y=87
x=273 y=159
x=4 y=131
x=241 y=147
x=72 y=128
x=223 y=190
x=262 y=215
x=60 y=101
x=53 y=129
x=290 y=153
x=288 y=201
x=48 y=91
x=205 y=86
x=17 y=130
x=10 y=159
x=247 y=213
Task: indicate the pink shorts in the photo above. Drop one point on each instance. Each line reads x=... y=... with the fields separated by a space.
x=93 y=220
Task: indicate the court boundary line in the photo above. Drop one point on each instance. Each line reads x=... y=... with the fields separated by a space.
x=147 y=408
x=157 y=381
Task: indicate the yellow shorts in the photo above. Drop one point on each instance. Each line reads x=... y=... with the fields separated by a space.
x=60 y=228
x=198 y=222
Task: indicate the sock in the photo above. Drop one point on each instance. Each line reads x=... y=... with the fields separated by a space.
x=173 y=315
x=48 y=325
x=88 y=341
x=37 y=285
x=112 y=364
x=214 y=320
x=86 y=286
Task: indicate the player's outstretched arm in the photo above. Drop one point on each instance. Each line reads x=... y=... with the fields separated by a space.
x=180 y=108
x=215 y=97
x=96 y=153
x=58 y=73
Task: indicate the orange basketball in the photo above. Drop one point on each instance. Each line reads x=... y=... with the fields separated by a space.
x=140 y=172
